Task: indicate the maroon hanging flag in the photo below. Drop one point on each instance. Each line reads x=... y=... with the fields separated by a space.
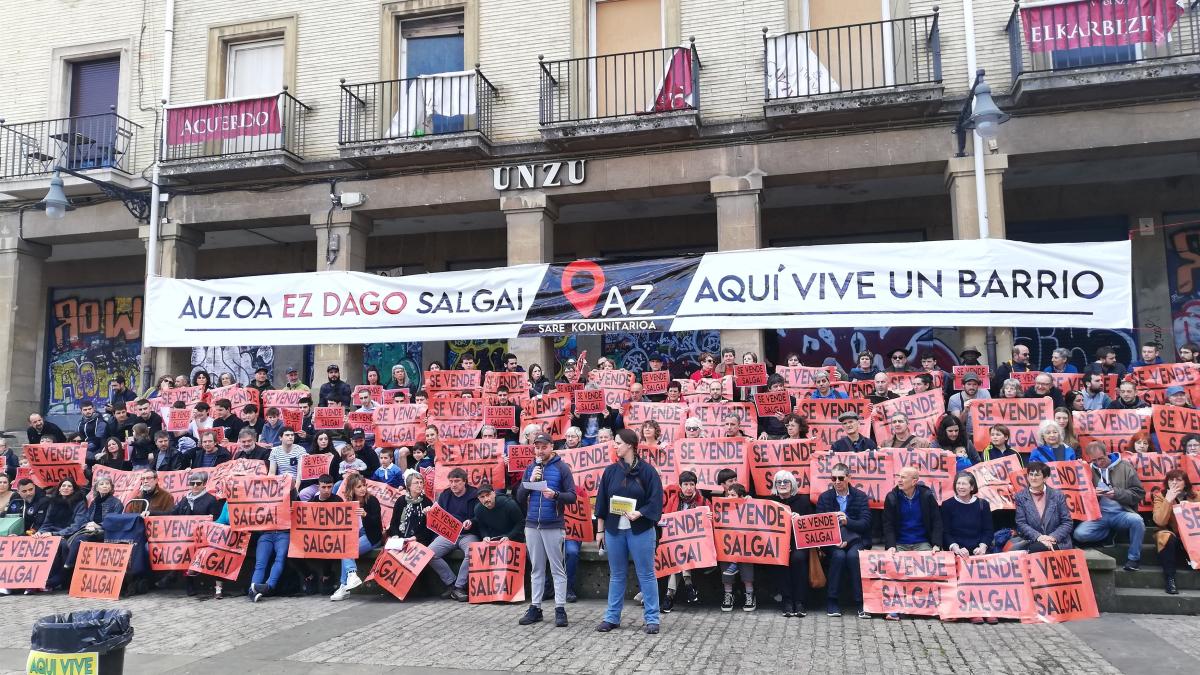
x=1051 y=26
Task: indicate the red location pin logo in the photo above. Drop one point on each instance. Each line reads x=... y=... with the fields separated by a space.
x=591 y=277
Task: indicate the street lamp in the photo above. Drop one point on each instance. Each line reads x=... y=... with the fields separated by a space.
x=984 y=118
x=56 y=203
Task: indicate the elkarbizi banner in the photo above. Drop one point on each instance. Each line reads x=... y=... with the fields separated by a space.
x=938 y=283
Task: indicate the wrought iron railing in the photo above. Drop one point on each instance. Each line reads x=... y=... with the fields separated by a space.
x=857 y=57
x=105 y=141
x=243 y=126
x=648 y=82
x=417 y=107
x=1062 y=39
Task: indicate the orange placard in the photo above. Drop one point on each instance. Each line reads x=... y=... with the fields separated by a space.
x=396 y=570
x=1153 y=381
x=916 y=583
x=178 y=419
x=100 y=570
x=126 y=484
x=589 y=402
x=329 y=417
x=937 y=468
x=767 y=457
x=553 y=410
x=614 y=384
x=25 y=561
x=1171 y=424
x=994 y=479
x=1022 y=416
x=440 y=522
x=451 y=380
x=387 y=496
x=872 y=472
x=655 y=382
x=588 y=464
x=577 y=520
x=923 y=410
x=707 y=456
x=293 y=418
x=804 y=377
x=189 y=395
x=1074 y=479
x=174 y=482
x=497 y=572
x=662 y=458
x=1061 y=586
x=500 y=417
x=220 y=552
x=822 y=416
x=375 y=390
x=519 y=457
x=686 y=542
x=313 y=467
x=1187 y=516
x=324 y=530
x=52 y=463
x=816 y=530
x=773 y=403
x=283 y=398
x=457 y=409
x=219 y=475
x=750 y=375
x=751 y=530
x=1151 y=469
x=712 y=417
x=481 y=458
x=494 y=379
x=984 y=373
x=995 y=585
x=391 y=396
x=260 y=503
x=697 y=391
x=171 y=541
x=363 y=420
x=1113 y=428
x=239 y=396
x=670 y=417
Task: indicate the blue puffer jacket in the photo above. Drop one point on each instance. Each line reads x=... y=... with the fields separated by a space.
x=542 y=513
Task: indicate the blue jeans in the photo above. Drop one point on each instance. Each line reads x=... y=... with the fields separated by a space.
x=623 y=545
x=843 y=562
x=1113 y=518
x=351 y=564
x=270 y=542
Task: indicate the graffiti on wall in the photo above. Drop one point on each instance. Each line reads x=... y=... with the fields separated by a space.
x=1083 y=343
x=384 y=355
x=240 y=362
x=489 y=354
x=843 y=345
x=682 y=350
x=1183 y=279
x=94 y=335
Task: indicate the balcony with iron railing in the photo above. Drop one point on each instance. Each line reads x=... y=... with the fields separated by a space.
x=1088 y=52
x=879 y=70
x=234 y=138
x=29 y=151
x=443 y=116
x=601 y=100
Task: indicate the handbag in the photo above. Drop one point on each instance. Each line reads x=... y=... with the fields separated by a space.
x=816 y=573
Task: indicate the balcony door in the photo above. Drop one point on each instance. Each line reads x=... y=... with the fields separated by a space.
x=849 y=40
x=253 y=70
x=433 y=46
x=623 y=80
x=89 y=140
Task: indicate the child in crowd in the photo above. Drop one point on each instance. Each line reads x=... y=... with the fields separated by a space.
x=388 y=472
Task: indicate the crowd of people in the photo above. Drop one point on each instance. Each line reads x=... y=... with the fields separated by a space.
x=126 y=432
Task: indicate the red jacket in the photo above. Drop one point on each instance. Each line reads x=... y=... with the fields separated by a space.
x=672 y=495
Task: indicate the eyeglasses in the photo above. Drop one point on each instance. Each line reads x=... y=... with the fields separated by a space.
x=897 y=358
x=837 y=479
x=692 y=428
x=196 y=483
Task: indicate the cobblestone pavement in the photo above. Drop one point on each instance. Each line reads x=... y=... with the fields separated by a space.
x=312 y=635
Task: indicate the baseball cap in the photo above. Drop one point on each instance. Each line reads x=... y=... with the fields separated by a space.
x=848 y=415
x=261 y=370
x=971 y=377
x=292 y=370
x=656 y=357
x=358 y=433
x=332 y=367
x=1175 y=389
x=542 y=438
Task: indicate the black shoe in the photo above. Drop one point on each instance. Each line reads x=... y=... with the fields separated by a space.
x=833 y=610
x=749 y=605
x=727 y=603
x=309 y=586
x=459 y=595
x=798 y=610
x=571 y=597
x=787 y=608
x=532 y=615
x=604 y=626
x=1171 y=588
x=668 y=602
x=1131 y=566
x=560 y=617
x=650 y=629
x=692 y=595
x=448 y=592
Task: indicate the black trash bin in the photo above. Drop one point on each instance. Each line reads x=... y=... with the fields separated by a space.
x=104 y=631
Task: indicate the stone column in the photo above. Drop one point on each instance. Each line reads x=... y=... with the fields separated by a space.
x=960 y=181
x=22 y=332
x=739 y=226
x=531 y=217
x=341 y=246
x=178 y=246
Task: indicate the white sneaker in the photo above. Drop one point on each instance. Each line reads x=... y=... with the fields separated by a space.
x=638 y=598
x=340 y=594
x=5 y=591
x=352 y=581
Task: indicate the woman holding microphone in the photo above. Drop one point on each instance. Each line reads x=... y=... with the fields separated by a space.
x=629 y=503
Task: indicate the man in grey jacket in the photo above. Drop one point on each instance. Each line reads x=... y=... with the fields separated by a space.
x=1120 y=492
